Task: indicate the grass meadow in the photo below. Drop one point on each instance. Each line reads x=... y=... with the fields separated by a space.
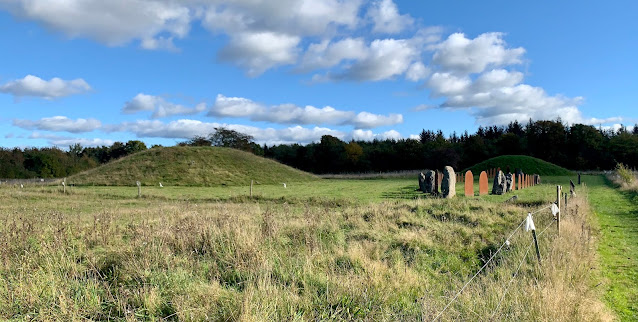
x=323 y=250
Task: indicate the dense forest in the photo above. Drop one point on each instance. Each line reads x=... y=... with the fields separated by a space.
x=577 y=147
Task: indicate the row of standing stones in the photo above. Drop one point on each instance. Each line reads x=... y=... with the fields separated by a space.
x=430 y=180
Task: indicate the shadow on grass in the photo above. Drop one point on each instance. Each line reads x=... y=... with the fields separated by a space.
x=407 y=192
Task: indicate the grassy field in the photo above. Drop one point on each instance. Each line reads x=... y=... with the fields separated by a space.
x=617 y=213
x=321 y=250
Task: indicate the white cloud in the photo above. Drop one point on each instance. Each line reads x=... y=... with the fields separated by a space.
x=391 y=135
x=113 y=22
x=446 y=84
x=257 y=52
x=265 y=34
x=65 y=141
x=60 y=123
x=304 y=18
x=417 y=71
x=458 y=54
x=497 y=97
x=386 y=18
x=365 y=120
x=293 y=114
x=186 y=129
x=159 y=43
x=471 y=74
x=326 y=54
x=367 y=135
x=159 y=106
x=386 y=58
x=37 y=87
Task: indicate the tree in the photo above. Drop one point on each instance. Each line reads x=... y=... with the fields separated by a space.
x=227 y=138
x=134 y=146
x=197 y=141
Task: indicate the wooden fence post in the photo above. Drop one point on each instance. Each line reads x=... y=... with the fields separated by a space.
x=251 y=188
x=139 y=189
x=558 y=193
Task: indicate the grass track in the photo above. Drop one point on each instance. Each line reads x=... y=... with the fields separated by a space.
x=617 y=213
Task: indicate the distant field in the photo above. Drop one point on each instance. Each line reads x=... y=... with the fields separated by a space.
x=345 y=190
x=320 y=250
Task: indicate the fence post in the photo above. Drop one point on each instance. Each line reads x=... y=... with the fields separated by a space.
x=538 y=252
x=558 y=192
x=251 y=188
x=139 y=189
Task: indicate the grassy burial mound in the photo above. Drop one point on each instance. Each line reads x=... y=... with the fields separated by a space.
x=190 y=166
x=526 y=163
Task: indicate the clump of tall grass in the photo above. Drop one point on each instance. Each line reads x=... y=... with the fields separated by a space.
x=625 y=177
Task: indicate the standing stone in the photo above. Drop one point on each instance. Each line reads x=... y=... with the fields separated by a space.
x=421 y=182
x=483 y=183
x=448 y=183
x=498 y=188
x=469 y=184
x=429 y=181
x=509 y=182
x=537 y=179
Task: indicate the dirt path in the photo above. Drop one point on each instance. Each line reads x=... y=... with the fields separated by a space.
x=617 y=213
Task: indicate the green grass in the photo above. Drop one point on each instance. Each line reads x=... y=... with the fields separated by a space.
x=617 y=213
x=190 y=166
x=337 y=190
x=529 y=165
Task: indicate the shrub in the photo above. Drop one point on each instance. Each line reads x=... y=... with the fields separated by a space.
x=625 y=174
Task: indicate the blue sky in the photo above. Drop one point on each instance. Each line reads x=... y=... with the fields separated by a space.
x=94 y=72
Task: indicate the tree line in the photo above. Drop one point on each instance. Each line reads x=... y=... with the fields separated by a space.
x=577 y=147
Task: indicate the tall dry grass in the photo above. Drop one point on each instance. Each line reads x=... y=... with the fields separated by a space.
x=75 y=257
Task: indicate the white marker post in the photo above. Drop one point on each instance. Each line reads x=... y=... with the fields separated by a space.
x=139 y=189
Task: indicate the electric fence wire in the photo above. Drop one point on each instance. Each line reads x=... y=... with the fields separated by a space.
x=520 y=264
x=486 y=263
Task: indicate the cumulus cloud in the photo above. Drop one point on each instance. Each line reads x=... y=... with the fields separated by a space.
x=65 y=141
x=326 y=54
x=60 y=123
x=473 y=74
x=498 y=97
x=367 y=135
x=113 y=22
x=258 y=51
x=459 y=54
x=293 y=114
x=386 y=18
x=37 y=87
x=186 y=129
x=365 y=120
x=265 y=34
x=384 y=59
x=160 y=107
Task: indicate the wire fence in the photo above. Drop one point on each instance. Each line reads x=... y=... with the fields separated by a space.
x=555 y=221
